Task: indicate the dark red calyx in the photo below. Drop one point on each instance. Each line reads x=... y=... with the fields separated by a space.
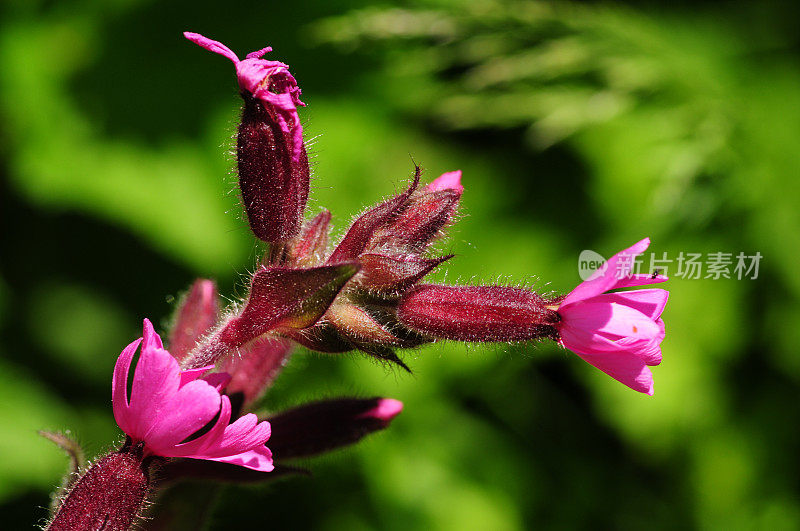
x=108 y=496
x=274 y=184
x=477 y=313
x=421 y=222
x=281 y=299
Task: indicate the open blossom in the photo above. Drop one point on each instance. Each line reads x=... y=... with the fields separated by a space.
x=167 y=406
x=619 y=333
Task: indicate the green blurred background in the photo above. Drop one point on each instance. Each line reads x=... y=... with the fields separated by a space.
x=577 y=126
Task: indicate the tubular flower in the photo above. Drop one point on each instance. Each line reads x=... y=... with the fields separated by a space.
x=167 y=406
x=619 y=333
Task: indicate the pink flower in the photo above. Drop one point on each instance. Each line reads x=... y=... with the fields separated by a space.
x=269 y=81
x=167 y=406
x=619 y=333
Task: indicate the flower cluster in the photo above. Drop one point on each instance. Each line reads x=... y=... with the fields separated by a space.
x=364 y=293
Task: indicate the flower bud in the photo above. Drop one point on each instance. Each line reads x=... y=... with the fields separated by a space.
x=108 y=496
x=363 y=228
x=256 y=367
x=478 y=313
x=323 y=426
x=196 y=316
x=426 y=213
x=309 y=246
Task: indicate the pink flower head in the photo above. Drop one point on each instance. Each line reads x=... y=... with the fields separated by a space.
x=269 y=81
x=619 y=333
x=167 y=406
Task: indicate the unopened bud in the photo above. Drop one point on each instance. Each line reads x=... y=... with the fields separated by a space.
x=195 y=317
x=364 y=227
x=427 y=212
x=309 y=246
x=478 y=313
x=324 y=426
x=256 y=367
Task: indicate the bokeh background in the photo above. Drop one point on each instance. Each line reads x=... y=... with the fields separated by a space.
x=577 y=126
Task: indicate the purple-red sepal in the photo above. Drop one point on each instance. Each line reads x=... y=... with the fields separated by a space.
x=281 y=299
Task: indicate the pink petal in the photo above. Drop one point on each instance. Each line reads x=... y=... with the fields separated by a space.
x=252 y=73
x=447 y=181
x=605 y=278
x=241 y=436
x=191 y=408
x=258 y=53
x=231 y=443
x=608 y=319
x=211 y=45
x=151 y=339
x=650 y=302
x=119 y=387
x=196 y=447
x=646 y=349
x=630 y=281
x=191 y=375
x=623 y=367
x=257 y=459
x=155 y=382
